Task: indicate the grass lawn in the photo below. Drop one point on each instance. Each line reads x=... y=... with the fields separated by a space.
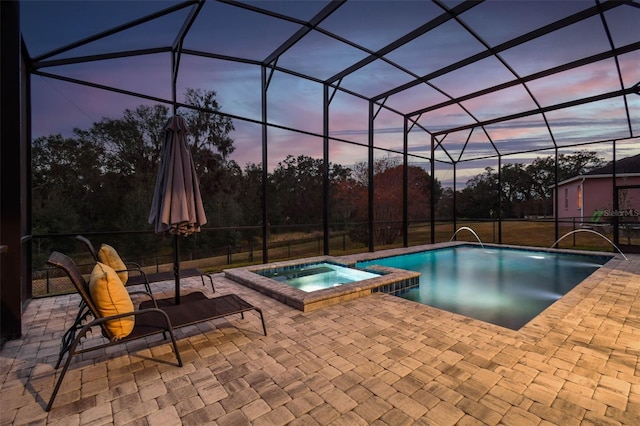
x=300 y=245
x=529 y=233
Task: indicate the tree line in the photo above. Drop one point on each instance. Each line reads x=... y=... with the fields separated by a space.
x=520 y=190
x=102 y=180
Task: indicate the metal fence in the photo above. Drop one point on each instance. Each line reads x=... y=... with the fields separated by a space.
x=535 y=232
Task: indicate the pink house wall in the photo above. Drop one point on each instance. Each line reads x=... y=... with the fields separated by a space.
x=596 y=195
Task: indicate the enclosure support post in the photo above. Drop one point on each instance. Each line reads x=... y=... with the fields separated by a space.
x=556 y=197
x=370 y=183
x=616 y=199
x=433 y=193
x=325 y=167
x=14 y=172
x=405 y=182
x=455 y=221
x=499 y=199
x=265 y=219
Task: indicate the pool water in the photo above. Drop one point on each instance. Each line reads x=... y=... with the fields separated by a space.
x=507 y=287
x=317 y=276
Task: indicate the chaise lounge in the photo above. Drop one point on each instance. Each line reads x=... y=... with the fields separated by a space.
x=139 y=276
x=121 y=323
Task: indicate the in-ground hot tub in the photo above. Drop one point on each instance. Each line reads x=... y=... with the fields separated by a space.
x=308 y=284
x=310 y=277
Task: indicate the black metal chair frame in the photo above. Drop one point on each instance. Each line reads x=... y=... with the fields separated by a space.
x=152 y=318
x=143 y=277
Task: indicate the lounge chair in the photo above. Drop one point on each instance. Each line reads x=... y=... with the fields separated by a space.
x=153 y=317
x=137 y=276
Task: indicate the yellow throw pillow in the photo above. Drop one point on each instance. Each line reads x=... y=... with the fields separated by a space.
x=111 y=298
x=109 y=256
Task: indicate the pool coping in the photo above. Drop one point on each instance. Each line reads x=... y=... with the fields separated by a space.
x=305 y=302
x=360 y=257
x=308 y=301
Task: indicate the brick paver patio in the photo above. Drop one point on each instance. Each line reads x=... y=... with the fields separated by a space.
x=378 y=360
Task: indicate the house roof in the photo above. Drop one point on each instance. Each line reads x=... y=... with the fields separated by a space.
x=625 y=165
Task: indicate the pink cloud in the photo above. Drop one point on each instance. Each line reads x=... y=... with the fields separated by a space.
x=589 y=80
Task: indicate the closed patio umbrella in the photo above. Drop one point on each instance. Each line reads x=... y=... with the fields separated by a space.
x=177 y=204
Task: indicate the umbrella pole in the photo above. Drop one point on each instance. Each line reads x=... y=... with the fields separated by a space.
x=176 y=267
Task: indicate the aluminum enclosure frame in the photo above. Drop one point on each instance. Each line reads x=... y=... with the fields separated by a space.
x=268 y=65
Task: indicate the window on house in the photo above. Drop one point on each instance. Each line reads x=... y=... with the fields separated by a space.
x=566 y=198
x=579 y=200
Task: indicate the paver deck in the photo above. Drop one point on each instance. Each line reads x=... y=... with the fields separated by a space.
x=377 y=360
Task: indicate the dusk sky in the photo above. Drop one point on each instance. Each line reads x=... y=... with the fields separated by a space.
x=296 y=103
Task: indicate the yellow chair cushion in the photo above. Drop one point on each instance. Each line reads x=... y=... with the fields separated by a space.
x=109 y=256
x=111 y=298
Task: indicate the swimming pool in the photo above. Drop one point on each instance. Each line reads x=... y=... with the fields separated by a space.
x=316 y=276
x=503 y=286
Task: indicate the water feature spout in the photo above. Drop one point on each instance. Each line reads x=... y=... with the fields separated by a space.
x=592 y=232
x=466 y=228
